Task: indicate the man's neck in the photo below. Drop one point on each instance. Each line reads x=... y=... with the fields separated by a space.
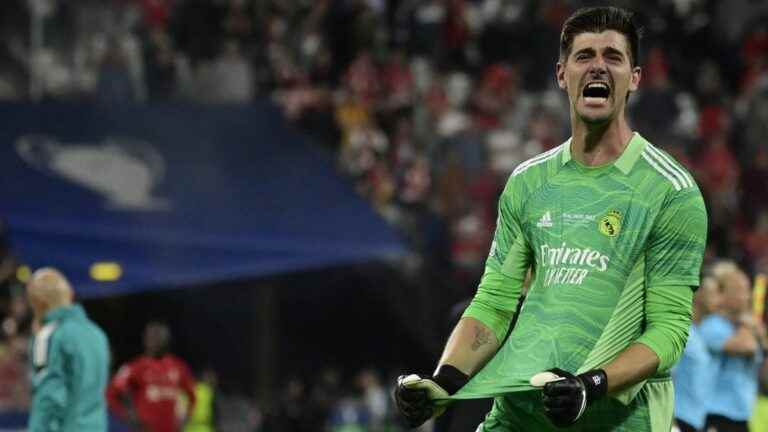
x=48 y=309
x=595 y=145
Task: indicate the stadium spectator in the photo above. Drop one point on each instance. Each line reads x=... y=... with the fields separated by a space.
x=14 y=383
x=69 y=360
x=656 y=108
x=291 y=412
x=156 y=13
x=114 y=83
x=8 y=274
x=736 y=341
x=692 y=376
x=229 y=78
x=160 y=65
x=146 y=391
x=756 y=239
x=375 y=399
x=754 y=194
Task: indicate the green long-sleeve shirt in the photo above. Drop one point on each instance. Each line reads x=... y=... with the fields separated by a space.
x=614 y=251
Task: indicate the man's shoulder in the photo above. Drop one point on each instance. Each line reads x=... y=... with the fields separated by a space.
x=176 y=360
x=531 y=174
x=137 y=362
x=79 y=328
x=542 y=162
x=662 y=170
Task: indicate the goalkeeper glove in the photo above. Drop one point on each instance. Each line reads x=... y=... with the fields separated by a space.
x=566 y=396
x=415 y=395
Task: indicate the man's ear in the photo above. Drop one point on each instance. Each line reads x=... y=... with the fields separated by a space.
x=560 y=75
x=634 y=82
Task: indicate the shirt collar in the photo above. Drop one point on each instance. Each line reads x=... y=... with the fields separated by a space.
x=64 y=312
x=628 y=157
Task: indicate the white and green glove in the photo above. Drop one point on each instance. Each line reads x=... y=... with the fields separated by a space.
x=420 y=398
x=566 y=396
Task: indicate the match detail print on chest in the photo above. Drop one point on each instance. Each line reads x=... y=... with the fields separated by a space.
x=575 y=231
x=579 y=215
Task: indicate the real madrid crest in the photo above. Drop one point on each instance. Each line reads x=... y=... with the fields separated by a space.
x=610 y=224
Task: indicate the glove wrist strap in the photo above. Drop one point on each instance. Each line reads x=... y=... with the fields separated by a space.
x=596 y=384
x=450 y=378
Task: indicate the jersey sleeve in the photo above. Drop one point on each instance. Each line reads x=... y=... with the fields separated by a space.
x=677 y=241
x=118 y=387
x=668 y=318
x=500 y=287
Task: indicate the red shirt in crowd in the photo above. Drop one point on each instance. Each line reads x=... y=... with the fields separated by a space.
x=153 y=385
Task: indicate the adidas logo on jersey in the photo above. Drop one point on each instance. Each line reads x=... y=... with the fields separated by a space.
x=545 y=221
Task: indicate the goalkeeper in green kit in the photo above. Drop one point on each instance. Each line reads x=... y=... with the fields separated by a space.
x=613 y=230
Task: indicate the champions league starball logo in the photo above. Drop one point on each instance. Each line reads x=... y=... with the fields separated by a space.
x=123 y=170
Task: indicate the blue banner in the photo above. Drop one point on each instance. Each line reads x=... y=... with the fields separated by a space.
x=130 y=198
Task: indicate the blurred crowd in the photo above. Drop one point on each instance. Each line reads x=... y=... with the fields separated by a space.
x=427 y=106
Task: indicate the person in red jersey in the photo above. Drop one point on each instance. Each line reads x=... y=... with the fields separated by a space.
x=146 y=391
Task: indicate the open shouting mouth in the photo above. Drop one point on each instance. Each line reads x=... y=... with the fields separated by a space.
x=596 y=92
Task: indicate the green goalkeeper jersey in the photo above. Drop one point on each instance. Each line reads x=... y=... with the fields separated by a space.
x=595 y=238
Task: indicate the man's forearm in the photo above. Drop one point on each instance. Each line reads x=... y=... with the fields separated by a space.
x=631 y=366
x=470 y=346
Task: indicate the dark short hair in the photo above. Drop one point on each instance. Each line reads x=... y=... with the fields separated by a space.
x=598 y=20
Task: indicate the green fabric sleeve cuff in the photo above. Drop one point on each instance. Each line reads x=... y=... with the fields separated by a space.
x=495 y=302
x=495 y=319
x=668 y=312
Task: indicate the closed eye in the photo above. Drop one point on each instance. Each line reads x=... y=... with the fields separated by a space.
x=613 y=55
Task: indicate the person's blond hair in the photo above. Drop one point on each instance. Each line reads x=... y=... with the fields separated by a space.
x=50 y=287
x=721 y=269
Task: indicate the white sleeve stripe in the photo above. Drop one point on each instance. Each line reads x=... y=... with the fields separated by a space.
x=534 y=160
x=529 y=161
x=671 y=163
x=675 y=164
x=40 y=348
x=675 y=170
x=536 y=163
x=668 y=168
x=663 y=172
x=541 y=158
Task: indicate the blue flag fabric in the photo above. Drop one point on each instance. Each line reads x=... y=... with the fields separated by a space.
x=175 y=196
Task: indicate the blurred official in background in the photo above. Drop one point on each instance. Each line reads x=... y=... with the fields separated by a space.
x=203 y=417
x=692 y=376
x=70 y=360
x=146 y=391
x=736 y=342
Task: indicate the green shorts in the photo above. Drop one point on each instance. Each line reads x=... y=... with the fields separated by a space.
x=650 y=411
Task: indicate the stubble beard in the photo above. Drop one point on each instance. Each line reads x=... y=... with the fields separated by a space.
x=596 y=120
